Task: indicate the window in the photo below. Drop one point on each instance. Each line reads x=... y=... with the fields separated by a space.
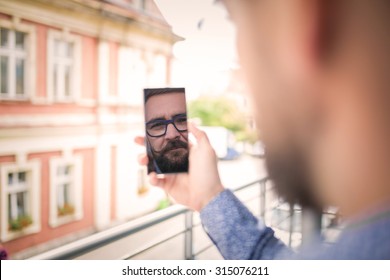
x=64 y=188
x=65 y=191
x=18 y=206
x=63 y=66
x=20 y=200
x=13 y=58
x=142 y=4
x=132 y=75
x=158 y=73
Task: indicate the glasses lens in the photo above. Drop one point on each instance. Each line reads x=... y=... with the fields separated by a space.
x=181 y=123
x=156 y=128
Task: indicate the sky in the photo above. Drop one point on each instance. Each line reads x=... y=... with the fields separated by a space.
x=204 y=58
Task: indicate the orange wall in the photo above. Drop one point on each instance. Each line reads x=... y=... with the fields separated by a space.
x=89 y=87
x=169 y=69
x=89 y=78
x=7 y=159
x=48 y=233
x=41 y=60
x=5 y=16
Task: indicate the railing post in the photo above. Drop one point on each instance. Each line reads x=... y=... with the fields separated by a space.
x=188 y=237
x=311 y=225
x=262 y=199
x=291 y=225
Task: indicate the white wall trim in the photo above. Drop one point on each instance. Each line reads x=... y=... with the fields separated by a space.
x=14 y=146
x=46 y=119
x=103 y=71
x=102 y=190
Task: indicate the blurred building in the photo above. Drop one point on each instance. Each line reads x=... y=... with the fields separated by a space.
x=71 y=79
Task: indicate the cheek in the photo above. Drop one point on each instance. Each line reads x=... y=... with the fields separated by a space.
x=156 y=143
x=260 y=77
x=256 y=72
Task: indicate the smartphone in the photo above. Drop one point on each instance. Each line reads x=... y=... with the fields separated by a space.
x=166 y=131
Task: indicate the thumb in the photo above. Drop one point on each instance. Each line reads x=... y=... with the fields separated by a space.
x=199 y=135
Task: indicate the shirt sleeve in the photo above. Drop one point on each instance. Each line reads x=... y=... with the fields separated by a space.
x=237 y=233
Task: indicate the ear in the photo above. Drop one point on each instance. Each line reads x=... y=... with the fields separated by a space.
x=303 y=37
x=320 y=37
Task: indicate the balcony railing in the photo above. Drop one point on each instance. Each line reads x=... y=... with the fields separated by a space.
x=177 y=233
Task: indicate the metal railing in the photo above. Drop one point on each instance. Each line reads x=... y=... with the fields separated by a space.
x=177 y=228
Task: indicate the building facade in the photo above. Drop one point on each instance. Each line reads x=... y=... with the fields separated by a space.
x=71 y=102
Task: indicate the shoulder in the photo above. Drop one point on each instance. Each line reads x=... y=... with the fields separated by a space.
x=369 y=241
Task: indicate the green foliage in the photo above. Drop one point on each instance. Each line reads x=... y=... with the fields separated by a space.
x=164 y=203
x=221 y=111
x=19 y=223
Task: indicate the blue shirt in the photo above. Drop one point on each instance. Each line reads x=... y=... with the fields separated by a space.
x=239 y=235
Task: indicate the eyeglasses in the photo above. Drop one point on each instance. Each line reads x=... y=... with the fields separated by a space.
x=158 y=128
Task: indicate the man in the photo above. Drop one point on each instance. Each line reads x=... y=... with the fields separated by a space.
x=166 y=130
x=318 y=74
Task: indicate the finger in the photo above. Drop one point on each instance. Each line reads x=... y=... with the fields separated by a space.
x=140 y=140
x=199 y=135
x=143 y=159
x=155 y=180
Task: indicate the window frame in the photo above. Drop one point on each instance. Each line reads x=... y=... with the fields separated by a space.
x=29 y=66
x=75 y=84
x=77 y=192
x=33 y=168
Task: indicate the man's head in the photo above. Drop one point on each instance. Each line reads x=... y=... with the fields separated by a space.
x=318 y=73
x=166 y=129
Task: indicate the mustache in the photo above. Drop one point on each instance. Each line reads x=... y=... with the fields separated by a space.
x=174 y=144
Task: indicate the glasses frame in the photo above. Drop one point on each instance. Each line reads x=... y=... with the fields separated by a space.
x=166 y=123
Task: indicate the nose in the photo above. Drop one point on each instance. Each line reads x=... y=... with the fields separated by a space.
x=172 y=132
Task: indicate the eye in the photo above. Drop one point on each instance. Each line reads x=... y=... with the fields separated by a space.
x=181 y=119
x=157 y=125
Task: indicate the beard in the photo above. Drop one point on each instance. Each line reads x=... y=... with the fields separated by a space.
x=290 y=172
x=171 y=159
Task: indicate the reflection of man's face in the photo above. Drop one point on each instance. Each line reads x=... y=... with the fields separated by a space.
x=169 y=150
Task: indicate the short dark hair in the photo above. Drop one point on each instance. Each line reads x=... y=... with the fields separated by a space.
x=149 y=92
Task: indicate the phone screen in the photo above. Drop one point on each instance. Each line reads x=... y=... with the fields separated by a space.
x=166 y=132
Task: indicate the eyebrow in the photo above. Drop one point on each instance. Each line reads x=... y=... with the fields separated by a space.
x=164 y=119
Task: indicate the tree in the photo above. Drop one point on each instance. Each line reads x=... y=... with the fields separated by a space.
x=221 y=111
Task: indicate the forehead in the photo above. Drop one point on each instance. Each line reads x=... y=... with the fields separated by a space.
x=165 y=105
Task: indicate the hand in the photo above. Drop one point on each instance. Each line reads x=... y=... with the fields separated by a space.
x=201 y=184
